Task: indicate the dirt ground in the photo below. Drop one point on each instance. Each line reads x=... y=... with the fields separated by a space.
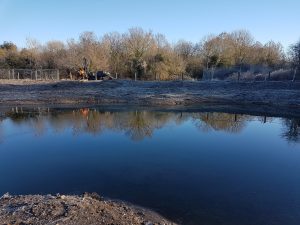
x=273 y=97
x=87 y=209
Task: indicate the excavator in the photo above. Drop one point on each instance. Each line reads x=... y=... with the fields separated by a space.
x=82 y=74
x=98 y=75
x=89 y=75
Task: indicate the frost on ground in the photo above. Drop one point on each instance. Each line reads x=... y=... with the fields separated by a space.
x=278 y=96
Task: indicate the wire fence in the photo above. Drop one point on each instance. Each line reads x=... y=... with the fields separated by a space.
x=245 y=73
x=19 y=74
x=56 y=74
x=251 y=73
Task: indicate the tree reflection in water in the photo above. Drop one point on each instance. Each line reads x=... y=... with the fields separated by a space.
x=135 y=124
x=232 y=123
x=291 y=130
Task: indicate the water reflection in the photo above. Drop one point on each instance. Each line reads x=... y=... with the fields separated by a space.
x=193 y=167
x=232 y=123
x=291 y=130
x=137 y=125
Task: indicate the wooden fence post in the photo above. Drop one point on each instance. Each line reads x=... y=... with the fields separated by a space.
x=57 y=73
x=266 y=78
x=116 y=75
x=135 y=76
x=36 y=74
x=9 y=74
x=240 y=72
x=295 y=72
x=13 y=73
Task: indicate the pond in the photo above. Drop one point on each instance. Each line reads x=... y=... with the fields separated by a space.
x=191 y=167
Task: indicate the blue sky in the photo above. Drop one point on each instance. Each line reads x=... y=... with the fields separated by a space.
x=46 y=20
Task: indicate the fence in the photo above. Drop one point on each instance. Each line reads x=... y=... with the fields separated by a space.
x=169 y=78
x=41 y=74
x=250 y=73
x=246 y=73
x=55 y=74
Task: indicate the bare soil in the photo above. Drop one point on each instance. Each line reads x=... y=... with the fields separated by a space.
x=87 y=209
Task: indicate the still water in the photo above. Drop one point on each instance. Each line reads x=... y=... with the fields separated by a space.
x=192 y=167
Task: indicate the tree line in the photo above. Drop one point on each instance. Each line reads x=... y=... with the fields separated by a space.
x=149 y=55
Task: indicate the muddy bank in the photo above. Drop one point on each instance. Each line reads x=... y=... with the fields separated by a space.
x=258 y=96
x=67 y=210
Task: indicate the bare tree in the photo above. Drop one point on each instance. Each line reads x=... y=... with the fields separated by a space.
x=185 y=49
x=273 y=54
x=73 y=60
x=91 y=49
x=115 y=44
x=242 y=44
x=207 y=49
x=294 y=53
x=53 y=55
x=159 y=58
x=138 y=44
